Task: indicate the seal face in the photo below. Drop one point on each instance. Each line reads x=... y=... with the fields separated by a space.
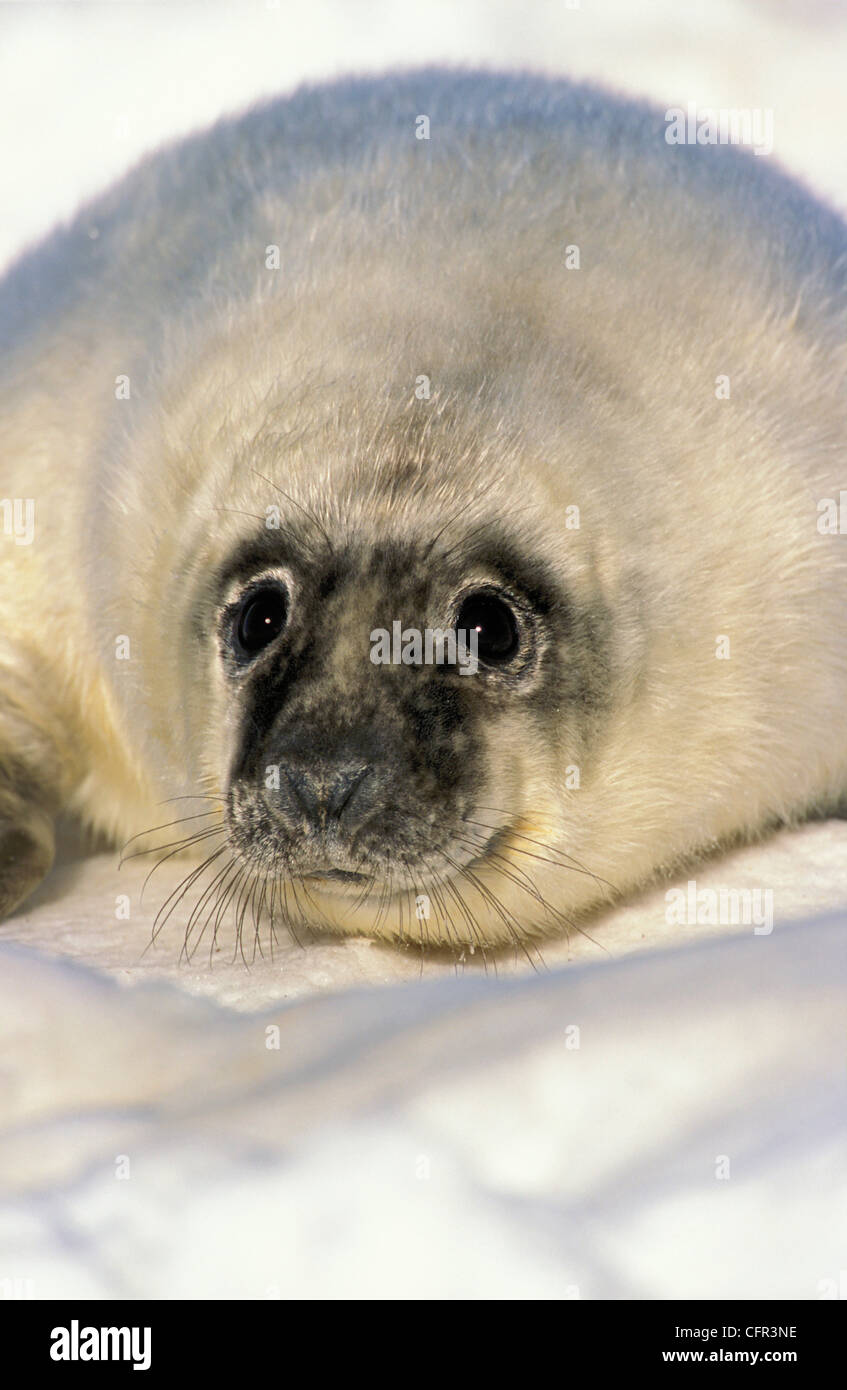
x=436 y=501
x=348 y=770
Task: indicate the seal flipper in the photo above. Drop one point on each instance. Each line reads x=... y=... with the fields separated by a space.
x=26 y=855
x=27 y=834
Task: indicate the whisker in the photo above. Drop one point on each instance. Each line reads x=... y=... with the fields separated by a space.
x=569 y=923
x=224 y=900
x=209 y=891
x=193 y=840
x=179 y=893
x=259 y=886
x=302 y=918
x=510 y=922
x=510 y=872
x=241 y=904
x=194 y=796
x=154 y=830
x=310 y=899
x=288 y=917
x=565 y=861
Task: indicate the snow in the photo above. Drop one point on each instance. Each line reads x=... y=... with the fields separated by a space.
x=442 y=1139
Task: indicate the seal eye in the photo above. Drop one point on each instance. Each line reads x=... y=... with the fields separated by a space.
x=260 y=619
x=495 y=624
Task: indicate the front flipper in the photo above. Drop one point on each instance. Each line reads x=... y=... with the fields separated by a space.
x=27 y=845
x=30 y=799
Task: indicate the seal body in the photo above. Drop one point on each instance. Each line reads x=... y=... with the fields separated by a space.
x=446 y=351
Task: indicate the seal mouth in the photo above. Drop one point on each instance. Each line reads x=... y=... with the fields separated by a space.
x=335 y=876
x=324 y=877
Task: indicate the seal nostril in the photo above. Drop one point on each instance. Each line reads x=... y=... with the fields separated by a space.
x=324 y=793
x=344 y=788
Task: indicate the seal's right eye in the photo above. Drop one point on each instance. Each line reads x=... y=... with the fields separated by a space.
x=259 y=619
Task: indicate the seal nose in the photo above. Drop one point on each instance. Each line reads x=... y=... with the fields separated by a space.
x=325 y=793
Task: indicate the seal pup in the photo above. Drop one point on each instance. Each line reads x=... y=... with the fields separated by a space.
x=454 y=351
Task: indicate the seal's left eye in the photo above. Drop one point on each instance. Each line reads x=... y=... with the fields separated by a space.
x=260 y=619
x=494 y=622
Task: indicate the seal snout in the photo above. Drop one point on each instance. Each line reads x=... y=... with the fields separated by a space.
x=325 y=788
x=327 y=792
